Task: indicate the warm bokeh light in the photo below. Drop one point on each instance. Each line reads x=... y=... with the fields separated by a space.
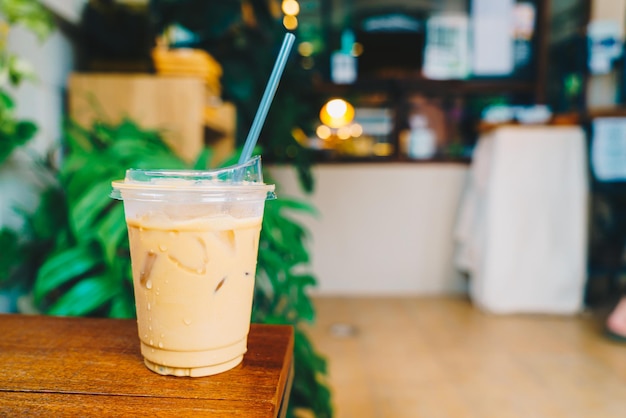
x=323 y=132
x=290 y=22
x=343 y=132
x=300 y=136
x=357 y=49
x=356 y=130
x=305 y=49
x=337 y=113
x=290 y=7
x=382 y=149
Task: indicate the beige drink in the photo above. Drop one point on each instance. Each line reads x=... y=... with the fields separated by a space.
x=194 y=239
x=194 y=282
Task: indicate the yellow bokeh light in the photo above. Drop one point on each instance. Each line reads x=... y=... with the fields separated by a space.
x=343 y=132
x=356 y=130
x=323 y=132
x=382 y=149
x=290 y=22
x=305 y=49
x=290 y=7
x=337 y=113
x=357 y=49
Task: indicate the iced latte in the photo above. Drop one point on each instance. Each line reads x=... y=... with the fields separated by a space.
x=194 y=242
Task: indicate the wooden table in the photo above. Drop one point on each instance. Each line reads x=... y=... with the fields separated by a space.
x=52 y=366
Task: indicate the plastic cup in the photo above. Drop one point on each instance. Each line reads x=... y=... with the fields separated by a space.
x=194 y=239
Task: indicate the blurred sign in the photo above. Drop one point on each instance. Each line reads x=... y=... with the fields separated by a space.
x=605 y=44
x=446 y=55
x=492 y=40
x=608 y=149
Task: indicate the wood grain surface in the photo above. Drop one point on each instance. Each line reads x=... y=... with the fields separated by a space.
x=53 y=366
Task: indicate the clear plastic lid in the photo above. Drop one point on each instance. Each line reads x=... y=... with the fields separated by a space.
x=237 y=182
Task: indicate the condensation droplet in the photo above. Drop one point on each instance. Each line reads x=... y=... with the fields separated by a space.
x=160 y=344
x=162 y=247
x=149 y=328
x=149 y=284
x=162 y=335
x=145 y=336
x=151 y=342
x=149 y=306
x=187 y=321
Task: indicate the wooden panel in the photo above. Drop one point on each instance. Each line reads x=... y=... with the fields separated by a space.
x=17 y=404
x=51 y=364
x=174 y=105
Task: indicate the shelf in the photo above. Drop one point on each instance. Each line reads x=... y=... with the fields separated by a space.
x=421 y=84
x=608 y=112
x=320 y=160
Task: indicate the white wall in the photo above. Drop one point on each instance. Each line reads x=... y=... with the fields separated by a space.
x=383 y=228
x=40 y=101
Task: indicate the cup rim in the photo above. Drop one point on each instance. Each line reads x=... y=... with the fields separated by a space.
x=242 y=179
x=217 y=192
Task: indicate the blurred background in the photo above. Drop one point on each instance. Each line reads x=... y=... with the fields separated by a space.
x=451 y=179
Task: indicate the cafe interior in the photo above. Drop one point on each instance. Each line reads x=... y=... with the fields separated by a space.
x=450 y=224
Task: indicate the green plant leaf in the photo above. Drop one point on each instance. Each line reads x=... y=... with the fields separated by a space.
x=63 y=267
x=87 y=174
x=25 y=130
x=6 y=102
x=110 y=231
x=309 y=390
x=20 y=70
x=29 y=13
x=10 y=255
x=51 y=214
x=85 y=211
x=128 y=149
x=86 y=296
x=122 y=306
x=301 y=301
x=202 y=162
x=76 y=138
x=294 y=204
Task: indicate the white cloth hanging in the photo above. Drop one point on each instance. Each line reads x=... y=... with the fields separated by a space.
x=522 y=228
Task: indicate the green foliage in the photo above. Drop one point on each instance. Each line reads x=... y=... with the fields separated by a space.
x=11 y=253
x=87 y=271
x=24 y=251
x=281 y=298
x=13 y=132
x=30 y=14
x=13 y=70
x=84 y=259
